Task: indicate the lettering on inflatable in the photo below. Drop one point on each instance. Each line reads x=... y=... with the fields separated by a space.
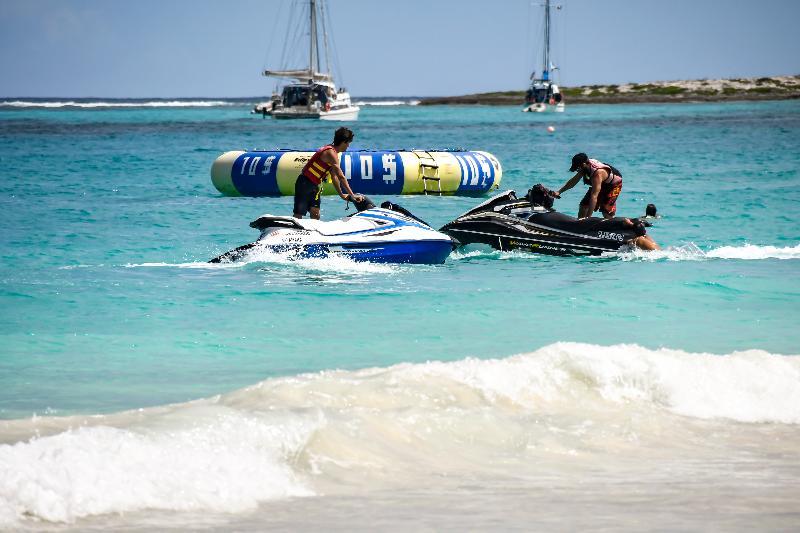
x=252 y=170
x=476 y=171
x=347 y=166
x=486 y=169
x=366 y=167
x=389 y=168
x=476 y=175
x=464 y=173
x=268 y=165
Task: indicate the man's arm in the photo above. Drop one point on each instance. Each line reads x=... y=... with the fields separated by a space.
x=597 y=182
x=337 y=176
x=569 y=184
x=341 y=183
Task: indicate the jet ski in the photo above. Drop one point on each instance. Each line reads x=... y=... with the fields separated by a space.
x=386 y=234
x=530 y=224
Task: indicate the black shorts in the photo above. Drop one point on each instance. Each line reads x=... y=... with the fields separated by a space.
x=306 y=195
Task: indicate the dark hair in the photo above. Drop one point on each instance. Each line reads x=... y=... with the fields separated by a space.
x=650 y=210
x=342 y=135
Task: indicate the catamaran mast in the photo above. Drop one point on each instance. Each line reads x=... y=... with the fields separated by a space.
x=546 y=53
x=312 y=60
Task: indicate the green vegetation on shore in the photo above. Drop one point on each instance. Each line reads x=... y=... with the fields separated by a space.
x=774 y=88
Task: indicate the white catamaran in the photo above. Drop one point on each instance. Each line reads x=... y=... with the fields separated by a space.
x=543 y=94
x=313 y=94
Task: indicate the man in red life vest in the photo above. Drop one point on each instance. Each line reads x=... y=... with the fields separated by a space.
x=605 y=182
x=323 y=166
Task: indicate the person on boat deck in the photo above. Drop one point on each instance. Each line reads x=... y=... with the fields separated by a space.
x=605 y=183
x=321 y=167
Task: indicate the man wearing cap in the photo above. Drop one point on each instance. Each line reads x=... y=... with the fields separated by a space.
x=605 y=183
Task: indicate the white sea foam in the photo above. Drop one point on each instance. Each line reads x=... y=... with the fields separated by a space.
x=691 y=252
x=375 y=428
x=192 y=458
x=334 y=263
x=750 y=251
x=381 y=103
x=100 y=104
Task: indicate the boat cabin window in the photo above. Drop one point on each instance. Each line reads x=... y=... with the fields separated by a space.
x=294 y=95
x=538 y=94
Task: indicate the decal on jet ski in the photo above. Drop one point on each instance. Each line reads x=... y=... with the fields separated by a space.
x=609 y=235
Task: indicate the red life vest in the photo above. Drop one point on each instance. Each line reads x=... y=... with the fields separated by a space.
x=614 y=177
x=316 y=169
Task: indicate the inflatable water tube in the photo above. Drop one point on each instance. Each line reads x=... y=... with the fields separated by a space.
x=378 y=172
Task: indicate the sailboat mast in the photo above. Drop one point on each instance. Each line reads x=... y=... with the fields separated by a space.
x=313 y=60
x=546 y=54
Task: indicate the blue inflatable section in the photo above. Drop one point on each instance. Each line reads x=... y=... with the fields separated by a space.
x=376 y=172
x=477 y=172
x=255 y=173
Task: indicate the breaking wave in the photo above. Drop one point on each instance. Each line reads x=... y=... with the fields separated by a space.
x=380 y=427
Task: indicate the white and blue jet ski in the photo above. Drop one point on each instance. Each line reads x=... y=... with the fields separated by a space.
x=386 y=234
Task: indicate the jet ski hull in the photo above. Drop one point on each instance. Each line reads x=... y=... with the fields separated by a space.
x=416 y=252
x=504 y=238
x=375 y=235
x=507 y=223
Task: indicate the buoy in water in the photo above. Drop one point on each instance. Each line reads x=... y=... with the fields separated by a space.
x=551 y=129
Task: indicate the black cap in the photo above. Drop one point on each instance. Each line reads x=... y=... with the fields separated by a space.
x=578 y=160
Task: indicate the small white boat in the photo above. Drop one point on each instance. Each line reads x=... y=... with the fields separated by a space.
x=313 y=94
x=543 y=94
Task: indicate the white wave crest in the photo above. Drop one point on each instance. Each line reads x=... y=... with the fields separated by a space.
x=220 y=461
x=691 y=252
x=333 y=263
x=382 y=427
x=100 y=104
x=750 y=251
x=386 y=103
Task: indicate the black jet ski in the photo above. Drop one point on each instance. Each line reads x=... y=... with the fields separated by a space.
x=530 y=224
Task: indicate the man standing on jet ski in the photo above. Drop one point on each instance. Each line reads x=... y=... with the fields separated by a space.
x=323 y=166
x=605 y=182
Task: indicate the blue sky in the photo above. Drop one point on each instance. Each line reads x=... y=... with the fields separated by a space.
x=182 y=48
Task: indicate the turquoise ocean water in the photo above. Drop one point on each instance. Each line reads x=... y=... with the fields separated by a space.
x=108 y=214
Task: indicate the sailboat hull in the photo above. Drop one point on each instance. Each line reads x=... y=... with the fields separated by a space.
x=348 y=113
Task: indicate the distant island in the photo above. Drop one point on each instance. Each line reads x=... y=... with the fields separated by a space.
x=771 y=88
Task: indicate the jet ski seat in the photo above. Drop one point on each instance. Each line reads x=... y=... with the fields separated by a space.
x=563 y=222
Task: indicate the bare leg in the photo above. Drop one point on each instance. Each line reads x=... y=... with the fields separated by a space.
x=314 y=211
x=583 y=211
x=297 y=215
x=645 y=242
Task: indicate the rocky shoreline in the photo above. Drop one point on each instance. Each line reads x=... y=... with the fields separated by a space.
x=719 y=90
